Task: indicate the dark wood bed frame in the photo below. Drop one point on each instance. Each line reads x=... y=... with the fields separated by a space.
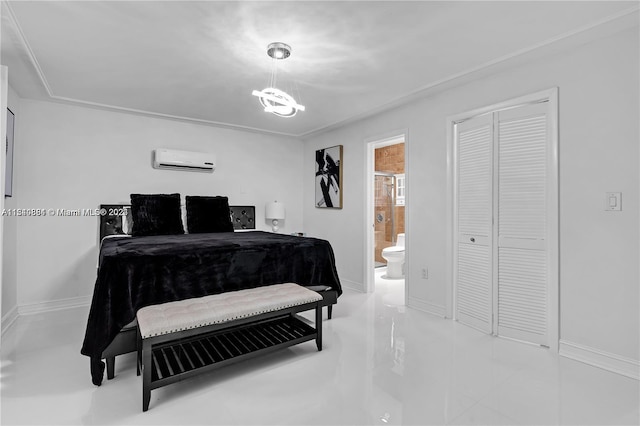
x=243 y=217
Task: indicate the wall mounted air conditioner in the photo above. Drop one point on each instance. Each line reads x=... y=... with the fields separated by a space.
x=184 y=160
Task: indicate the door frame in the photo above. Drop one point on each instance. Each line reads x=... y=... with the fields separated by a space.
x=553 y=213
x=390 y=138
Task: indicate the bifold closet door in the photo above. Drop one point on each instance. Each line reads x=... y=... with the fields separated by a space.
x=502 y=255
x=473 y=257
x=522 y=254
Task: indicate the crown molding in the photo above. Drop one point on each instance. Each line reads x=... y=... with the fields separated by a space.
x=470 y=73
x=630 y=14
x=10 y=14
x=152 y=114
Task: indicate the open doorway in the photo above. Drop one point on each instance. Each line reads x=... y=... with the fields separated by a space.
x=386 y=201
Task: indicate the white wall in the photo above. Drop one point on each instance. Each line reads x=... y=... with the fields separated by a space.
x=4 y=87
x=73 y=158
x=598 y=97
x=9 y=240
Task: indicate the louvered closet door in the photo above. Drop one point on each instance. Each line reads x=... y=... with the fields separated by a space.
x=474 y=249
x=522 y=291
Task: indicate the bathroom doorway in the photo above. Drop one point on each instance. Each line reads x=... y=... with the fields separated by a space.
x=386 y=201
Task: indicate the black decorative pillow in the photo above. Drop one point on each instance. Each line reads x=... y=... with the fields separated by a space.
x=156 y=214
x=208 y=214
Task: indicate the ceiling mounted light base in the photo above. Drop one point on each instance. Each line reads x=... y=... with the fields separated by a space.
x=279 y=50
x=274 y=100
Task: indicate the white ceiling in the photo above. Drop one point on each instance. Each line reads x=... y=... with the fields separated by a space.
x=200 y=60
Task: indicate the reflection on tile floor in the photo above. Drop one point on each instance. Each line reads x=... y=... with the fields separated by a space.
x=382 y=363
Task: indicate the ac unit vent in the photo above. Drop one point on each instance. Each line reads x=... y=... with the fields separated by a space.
x=184 y=160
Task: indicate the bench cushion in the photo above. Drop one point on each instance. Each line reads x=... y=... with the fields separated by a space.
x=186 y=314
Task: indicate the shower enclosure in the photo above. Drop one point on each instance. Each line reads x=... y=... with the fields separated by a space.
x=384 y=220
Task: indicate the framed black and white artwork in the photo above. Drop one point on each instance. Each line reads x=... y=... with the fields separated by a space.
x=329 y=177
x=8 y=177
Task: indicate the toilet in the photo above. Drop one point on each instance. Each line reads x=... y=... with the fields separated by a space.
x=394 y=256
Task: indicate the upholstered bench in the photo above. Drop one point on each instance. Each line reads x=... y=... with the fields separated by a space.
x=180 y=339
x=125 y=341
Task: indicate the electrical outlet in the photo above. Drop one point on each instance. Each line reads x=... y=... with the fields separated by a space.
x=425 y=274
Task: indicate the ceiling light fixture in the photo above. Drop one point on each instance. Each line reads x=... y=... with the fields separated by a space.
x=274 y=100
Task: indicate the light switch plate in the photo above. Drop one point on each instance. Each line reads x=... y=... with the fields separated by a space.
x=613 y=201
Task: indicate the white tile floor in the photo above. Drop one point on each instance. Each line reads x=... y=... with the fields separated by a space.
x=382 y=364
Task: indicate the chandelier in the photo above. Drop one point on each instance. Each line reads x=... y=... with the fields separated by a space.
x=274 y=100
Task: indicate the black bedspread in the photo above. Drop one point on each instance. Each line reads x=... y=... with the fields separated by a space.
x=140 y=271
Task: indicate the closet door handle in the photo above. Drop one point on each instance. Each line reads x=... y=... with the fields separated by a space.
x=473 y=240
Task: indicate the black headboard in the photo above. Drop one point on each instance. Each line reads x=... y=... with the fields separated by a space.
x=111 y=223
x=243 y=217
x=111 y=219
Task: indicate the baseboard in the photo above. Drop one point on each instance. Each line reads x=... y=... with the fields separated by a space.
x=54 y=305
x=352 y=285
x=427 y=307
x=9 y=319
x=598 y=358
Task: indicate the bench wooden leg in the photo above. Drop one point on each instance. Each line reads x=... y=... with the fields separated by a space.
x=138 y=354
x=146 y=374
x=319 y=327
x=111 y=367
x=329 y=311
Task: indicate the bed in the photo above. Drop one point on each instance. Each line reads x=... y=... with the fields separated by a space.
x=138 y=271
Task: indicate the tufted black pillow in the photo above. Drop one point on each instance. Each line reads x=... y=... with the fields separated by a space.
x=208 y=214
x=156 y=214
